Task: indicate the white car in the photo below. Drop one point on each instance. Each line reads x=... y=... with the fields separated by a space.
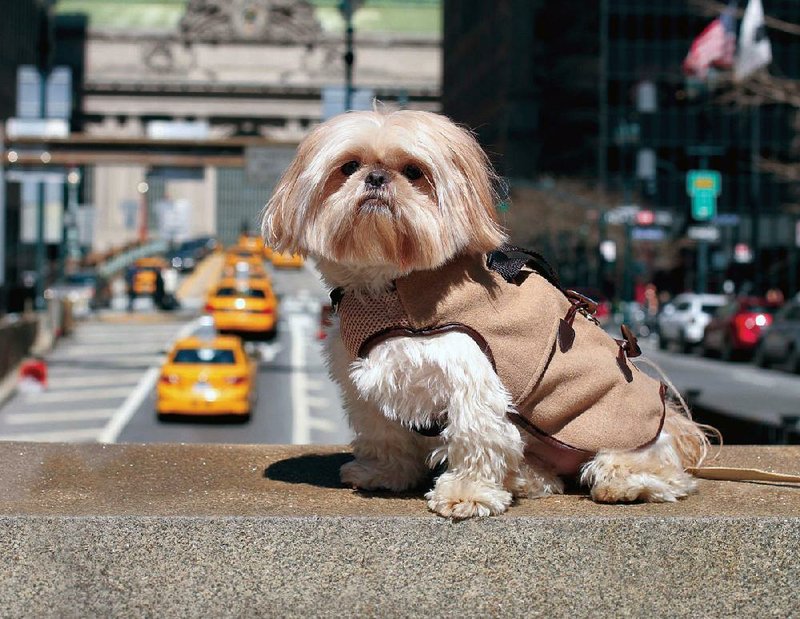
x=684 y=320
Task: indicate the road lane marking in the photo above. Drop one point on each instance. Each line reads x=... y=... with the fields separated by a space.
x=119 y=378
x=76 y=395
x=318 y=402
x=63 y=436
x=301 y=426
x=324 y=425
x=131 y=404
x=18 y=419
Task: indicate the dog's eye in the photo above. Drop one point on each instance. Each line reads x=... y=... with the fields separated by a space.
x=412 y=172
x=350 y=167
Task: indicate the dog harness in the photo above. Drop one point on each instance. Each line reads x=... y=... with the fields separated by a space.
x=573 y=388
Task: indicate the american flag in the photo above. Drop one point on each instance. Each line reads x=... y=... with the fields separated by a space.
x=715 y=47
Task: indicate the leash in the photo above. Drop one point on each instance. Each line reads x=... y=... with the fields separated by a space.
x=730 y=473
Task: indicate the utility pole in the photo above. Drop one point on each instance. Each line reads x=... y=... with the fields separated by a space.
x=44 y=61
x=347 y=9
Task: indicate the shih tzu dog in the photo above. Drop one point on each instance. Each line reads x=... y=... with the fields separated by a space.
x=455 y=349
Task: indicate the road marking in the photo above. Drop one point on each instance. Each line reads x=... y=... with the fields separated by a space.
x=119 y=378
x=63 y=436
x=76 y=395
x=132 y=403
x=123 y=415
x=318 y=402
x=301 y=426
x=111 y=348
x=17 y=419
x=324 y=425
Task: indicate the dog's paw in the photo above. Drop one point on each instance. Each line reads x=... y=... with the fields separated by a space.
x=464 y=498
x=366 y=476
x=534 y=482
x=643 y=487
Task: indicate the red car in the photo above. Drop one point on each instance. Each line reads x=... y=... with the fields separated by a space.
x=735 y=327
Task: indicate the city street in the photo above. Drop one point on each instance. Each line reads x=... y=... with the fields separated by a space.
x=102 y=380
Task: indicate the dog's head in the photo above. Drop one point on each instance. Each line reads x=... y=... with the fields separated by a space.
x=403 y=189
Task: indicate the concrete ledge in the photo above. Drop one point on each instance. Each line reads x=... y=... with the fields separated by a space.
x=186 y=530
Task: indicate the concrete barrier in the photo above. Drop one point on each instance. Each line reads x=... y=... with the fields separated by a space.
x=17 y=336
x=267 y=531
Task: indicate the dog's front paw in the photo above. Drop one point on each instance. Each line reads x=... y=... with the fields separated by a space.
x=459 y=498
x=366 y=475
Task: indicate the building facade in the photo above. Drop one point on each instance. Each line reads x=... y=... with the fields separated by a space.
x=195 y=107
x=597 y=92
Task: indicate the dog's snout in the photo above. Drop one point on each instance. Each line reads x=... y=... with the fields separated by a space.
x=377 y=178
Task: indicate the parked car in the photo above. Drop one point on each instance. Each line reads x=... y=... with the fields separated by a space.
x=780 y=343
x=736 y=326
x=683 y=321
x=87 y=290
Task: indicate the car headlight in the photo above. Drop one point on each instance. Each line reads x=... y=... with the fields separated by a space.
x=176 y=262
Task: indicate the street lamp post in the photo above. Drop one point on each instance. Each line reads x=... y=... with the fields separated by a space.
x=71 y=222
x=347 y=9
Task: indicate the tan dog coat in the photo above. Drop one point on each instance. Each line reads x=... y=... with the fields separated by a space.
x=573 y=389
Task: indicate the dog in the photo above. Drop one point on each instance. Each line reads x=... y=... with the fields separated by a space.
x=454 y=351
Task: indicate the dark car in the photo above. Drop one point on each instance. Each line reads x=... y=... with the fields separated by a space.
x=186 y=255
x=87 y=290
x=780 y=343
x=735 y=328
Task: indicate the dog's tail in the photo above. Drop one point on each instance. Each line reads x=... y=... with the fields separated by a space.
x=692 y=440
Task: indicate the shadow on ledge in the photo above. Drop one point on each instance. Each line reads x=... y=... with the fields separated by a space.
x=314 y=469
x=322 y=470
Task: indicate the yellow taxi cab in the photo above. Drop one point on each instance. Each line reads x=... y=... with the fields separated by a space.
x=207 y=377
x=287 y=260
x=245 y=306
x=244 y=270
x=267 y=252
x=144 y=278
x=242 y=254
x=252 y=242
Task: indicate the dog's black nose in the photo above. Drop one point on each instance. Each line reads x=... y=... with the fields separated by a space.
x=377 y=178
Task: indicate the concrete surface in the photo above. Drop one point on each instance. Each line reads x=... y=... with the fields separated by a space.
x=218 y=531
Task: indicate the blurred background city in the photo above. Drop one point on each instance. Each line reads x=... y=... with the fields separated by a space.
x=649 y=150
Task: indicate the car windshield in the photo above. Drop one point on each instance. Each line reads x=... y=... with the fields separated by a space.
x=204 y=355
x=709 y=309
x=251 y=293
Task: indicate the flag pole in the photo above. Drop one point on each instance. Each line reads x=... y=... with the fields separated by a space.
x=755 y=196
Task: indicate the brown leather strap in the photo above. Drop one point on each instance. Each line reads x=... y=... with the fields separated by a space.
x=725 y=473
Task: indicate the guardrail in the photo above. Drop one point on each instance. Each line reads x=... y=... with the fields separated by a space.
x=123 y=260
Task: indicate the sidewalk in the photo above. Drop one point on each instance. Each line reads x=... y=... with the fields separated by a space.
x=201 y=280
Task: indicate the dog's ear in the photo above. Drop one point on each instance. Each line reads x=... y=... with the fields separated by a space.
x=277 y=216
x=477 y=199
x=465 y=181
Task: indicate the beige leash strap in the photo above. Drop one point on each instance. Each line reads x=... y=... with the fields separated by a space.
x=724 y=473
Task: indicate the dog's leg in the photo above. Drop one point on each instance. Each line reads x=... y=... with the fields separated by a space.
x=481 y=446
x=387 y=455
x=656 y=473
